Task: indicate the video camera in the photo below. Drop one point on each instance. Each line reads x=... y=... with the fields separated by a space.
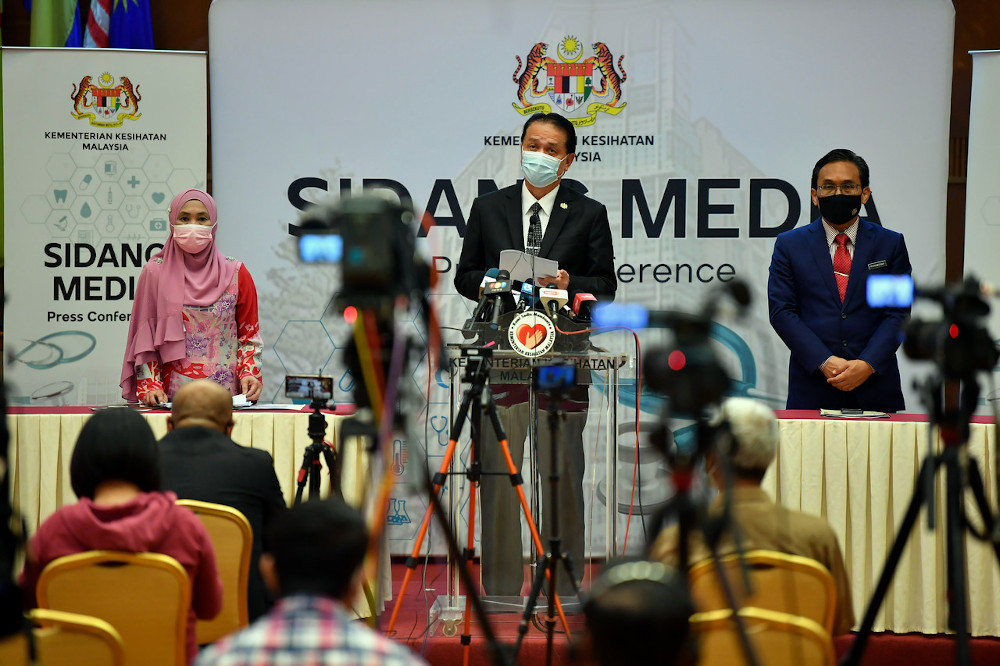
x=958 y=343
x=373 y=240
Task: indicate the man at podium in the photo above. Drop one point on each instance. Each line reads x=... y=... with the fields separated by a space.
x=544 y=219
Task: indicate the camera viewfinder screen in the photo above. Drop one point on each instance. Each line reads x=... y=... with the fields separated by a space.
x=321 y=248
x=890 y=291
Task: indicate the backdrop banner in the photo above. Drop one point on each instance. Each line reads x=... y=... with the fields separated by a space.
x=699 y=123
x=96 y=143
x=982 y=196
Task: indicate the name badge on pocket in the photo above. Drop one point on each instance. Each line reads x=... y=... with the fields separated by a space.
x=877 y=264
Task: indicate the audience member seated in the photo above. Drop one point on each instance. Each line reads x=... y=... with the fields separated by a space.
x=199 y=461
x=115 y=473
x=313 y=563
x=636 y=613
x=747 y=434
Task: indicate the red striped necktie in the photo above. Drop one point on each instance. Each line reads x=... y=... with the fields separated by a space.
x=841 y=265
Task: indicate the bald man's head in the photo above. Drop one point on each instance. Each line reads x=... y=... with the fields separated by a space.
x=202 y=403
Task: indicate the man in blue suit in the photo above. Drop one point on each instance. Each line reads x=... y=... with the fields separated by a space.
x=843 y=352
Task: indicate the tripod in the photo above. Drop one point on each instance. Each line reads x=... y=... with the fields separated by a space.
x=959 y=470
x=555 y=555
x=477 y=372
x=311 y=467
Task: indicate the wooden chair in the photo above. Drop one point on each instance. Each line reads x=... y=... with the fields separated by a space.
x=776 y=638
x=145 y=596
x=232 y=540
x=780 y=582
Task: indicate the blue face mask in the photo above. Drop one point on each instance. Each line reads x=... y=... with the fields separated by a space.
x=540 y=169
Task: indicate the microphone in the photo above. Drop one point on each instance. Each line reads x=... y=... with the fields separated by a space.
x=582 y=304
x=526 y=296
x=553 y=298
x=490 y=276
x=484 y=299
x=500 y=291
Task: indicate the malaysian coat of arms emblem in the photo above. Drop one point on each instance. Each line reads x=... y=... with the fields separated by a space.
x=104 y=103
x=569 y=82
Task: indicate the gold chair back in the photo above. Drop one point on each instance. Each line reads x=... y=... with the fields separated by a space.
x=776 y=638
x=69 y=638
x=232 y=540
x=144 y=596
x=779 y=582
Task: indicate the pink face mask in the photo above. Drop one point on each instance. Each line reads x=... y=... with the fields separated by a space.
x=193 y=238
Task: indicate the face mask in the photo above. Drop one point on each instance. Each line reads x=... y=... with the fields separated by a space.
x=540 y=169
x=839 y=209
x=193 y=238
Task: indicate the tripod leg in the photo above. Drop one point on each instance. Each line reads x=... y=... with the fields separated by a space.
x=529 y=608
x=411 y=561
x=306 y=473
x=926 y=476
x=955 y=526
x=975 y=481
x=517 y=481
x=470 y=553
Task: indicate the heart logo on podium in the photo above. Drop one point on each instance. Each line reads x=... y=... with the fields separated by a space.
x=531 y=336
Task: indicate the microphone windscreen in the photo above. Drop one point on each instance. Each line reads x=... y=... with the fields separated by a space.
x=582 y=303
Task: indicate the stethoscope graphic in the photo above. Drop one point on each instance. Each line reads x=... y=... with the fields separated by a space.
x=440 y=431
x=56 y=354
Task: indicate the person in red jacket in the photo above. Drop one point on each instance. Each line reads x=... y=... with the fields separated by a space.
x=115 y=471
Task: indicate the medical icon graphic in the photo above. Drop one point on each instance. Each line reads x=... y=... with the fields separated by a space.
x=397 y=513
x=399 y=456
x=442 y=435
x=51 y=394
x=43 y=353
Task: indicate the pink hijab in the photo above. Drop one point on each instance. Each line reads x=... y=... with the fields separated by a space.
x=156 y=329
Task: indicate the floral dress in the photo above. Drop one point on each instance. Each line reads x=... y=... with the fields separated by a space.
x=223 y=343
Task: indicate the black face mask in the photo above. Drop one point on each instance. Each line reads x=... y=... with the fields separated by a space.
x=839 y=209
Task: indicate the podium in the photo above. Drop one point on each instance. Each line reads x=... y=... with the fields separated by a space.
x=511 y=367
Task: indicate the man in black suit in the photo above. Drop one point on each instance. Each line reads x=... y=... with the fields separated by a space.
x=545 y=219
x=199 y=461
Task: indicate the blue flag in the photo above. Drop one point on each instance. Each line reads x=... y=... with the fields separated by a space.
x=131 y=27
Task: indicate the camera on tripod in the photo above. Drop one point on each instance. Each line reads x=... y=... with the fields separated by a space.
x=554 y=379
x=373 y=241
x=958 y=343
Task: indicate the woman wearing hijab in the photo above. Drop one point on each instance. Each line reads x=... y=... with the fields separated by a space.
x=194 y=315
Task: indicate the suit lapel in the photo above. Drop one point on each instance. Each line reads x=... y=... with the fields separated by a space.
x=557 y=220
x=821 y=255
x=863 y=247
x=514 y=217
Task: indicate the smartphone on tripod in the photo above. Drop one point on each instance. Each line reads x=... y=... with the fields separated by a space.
x=311 y=387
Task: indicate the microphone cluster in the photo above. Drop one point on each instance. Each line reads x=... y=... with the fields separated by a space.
x=499 y=295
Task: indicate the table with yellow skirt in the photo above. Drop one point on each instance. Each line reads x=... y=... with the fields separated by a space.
x=860 y=476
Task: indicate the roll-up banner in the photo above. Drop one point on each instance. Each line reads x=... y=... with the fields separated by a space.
x=96 y=143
